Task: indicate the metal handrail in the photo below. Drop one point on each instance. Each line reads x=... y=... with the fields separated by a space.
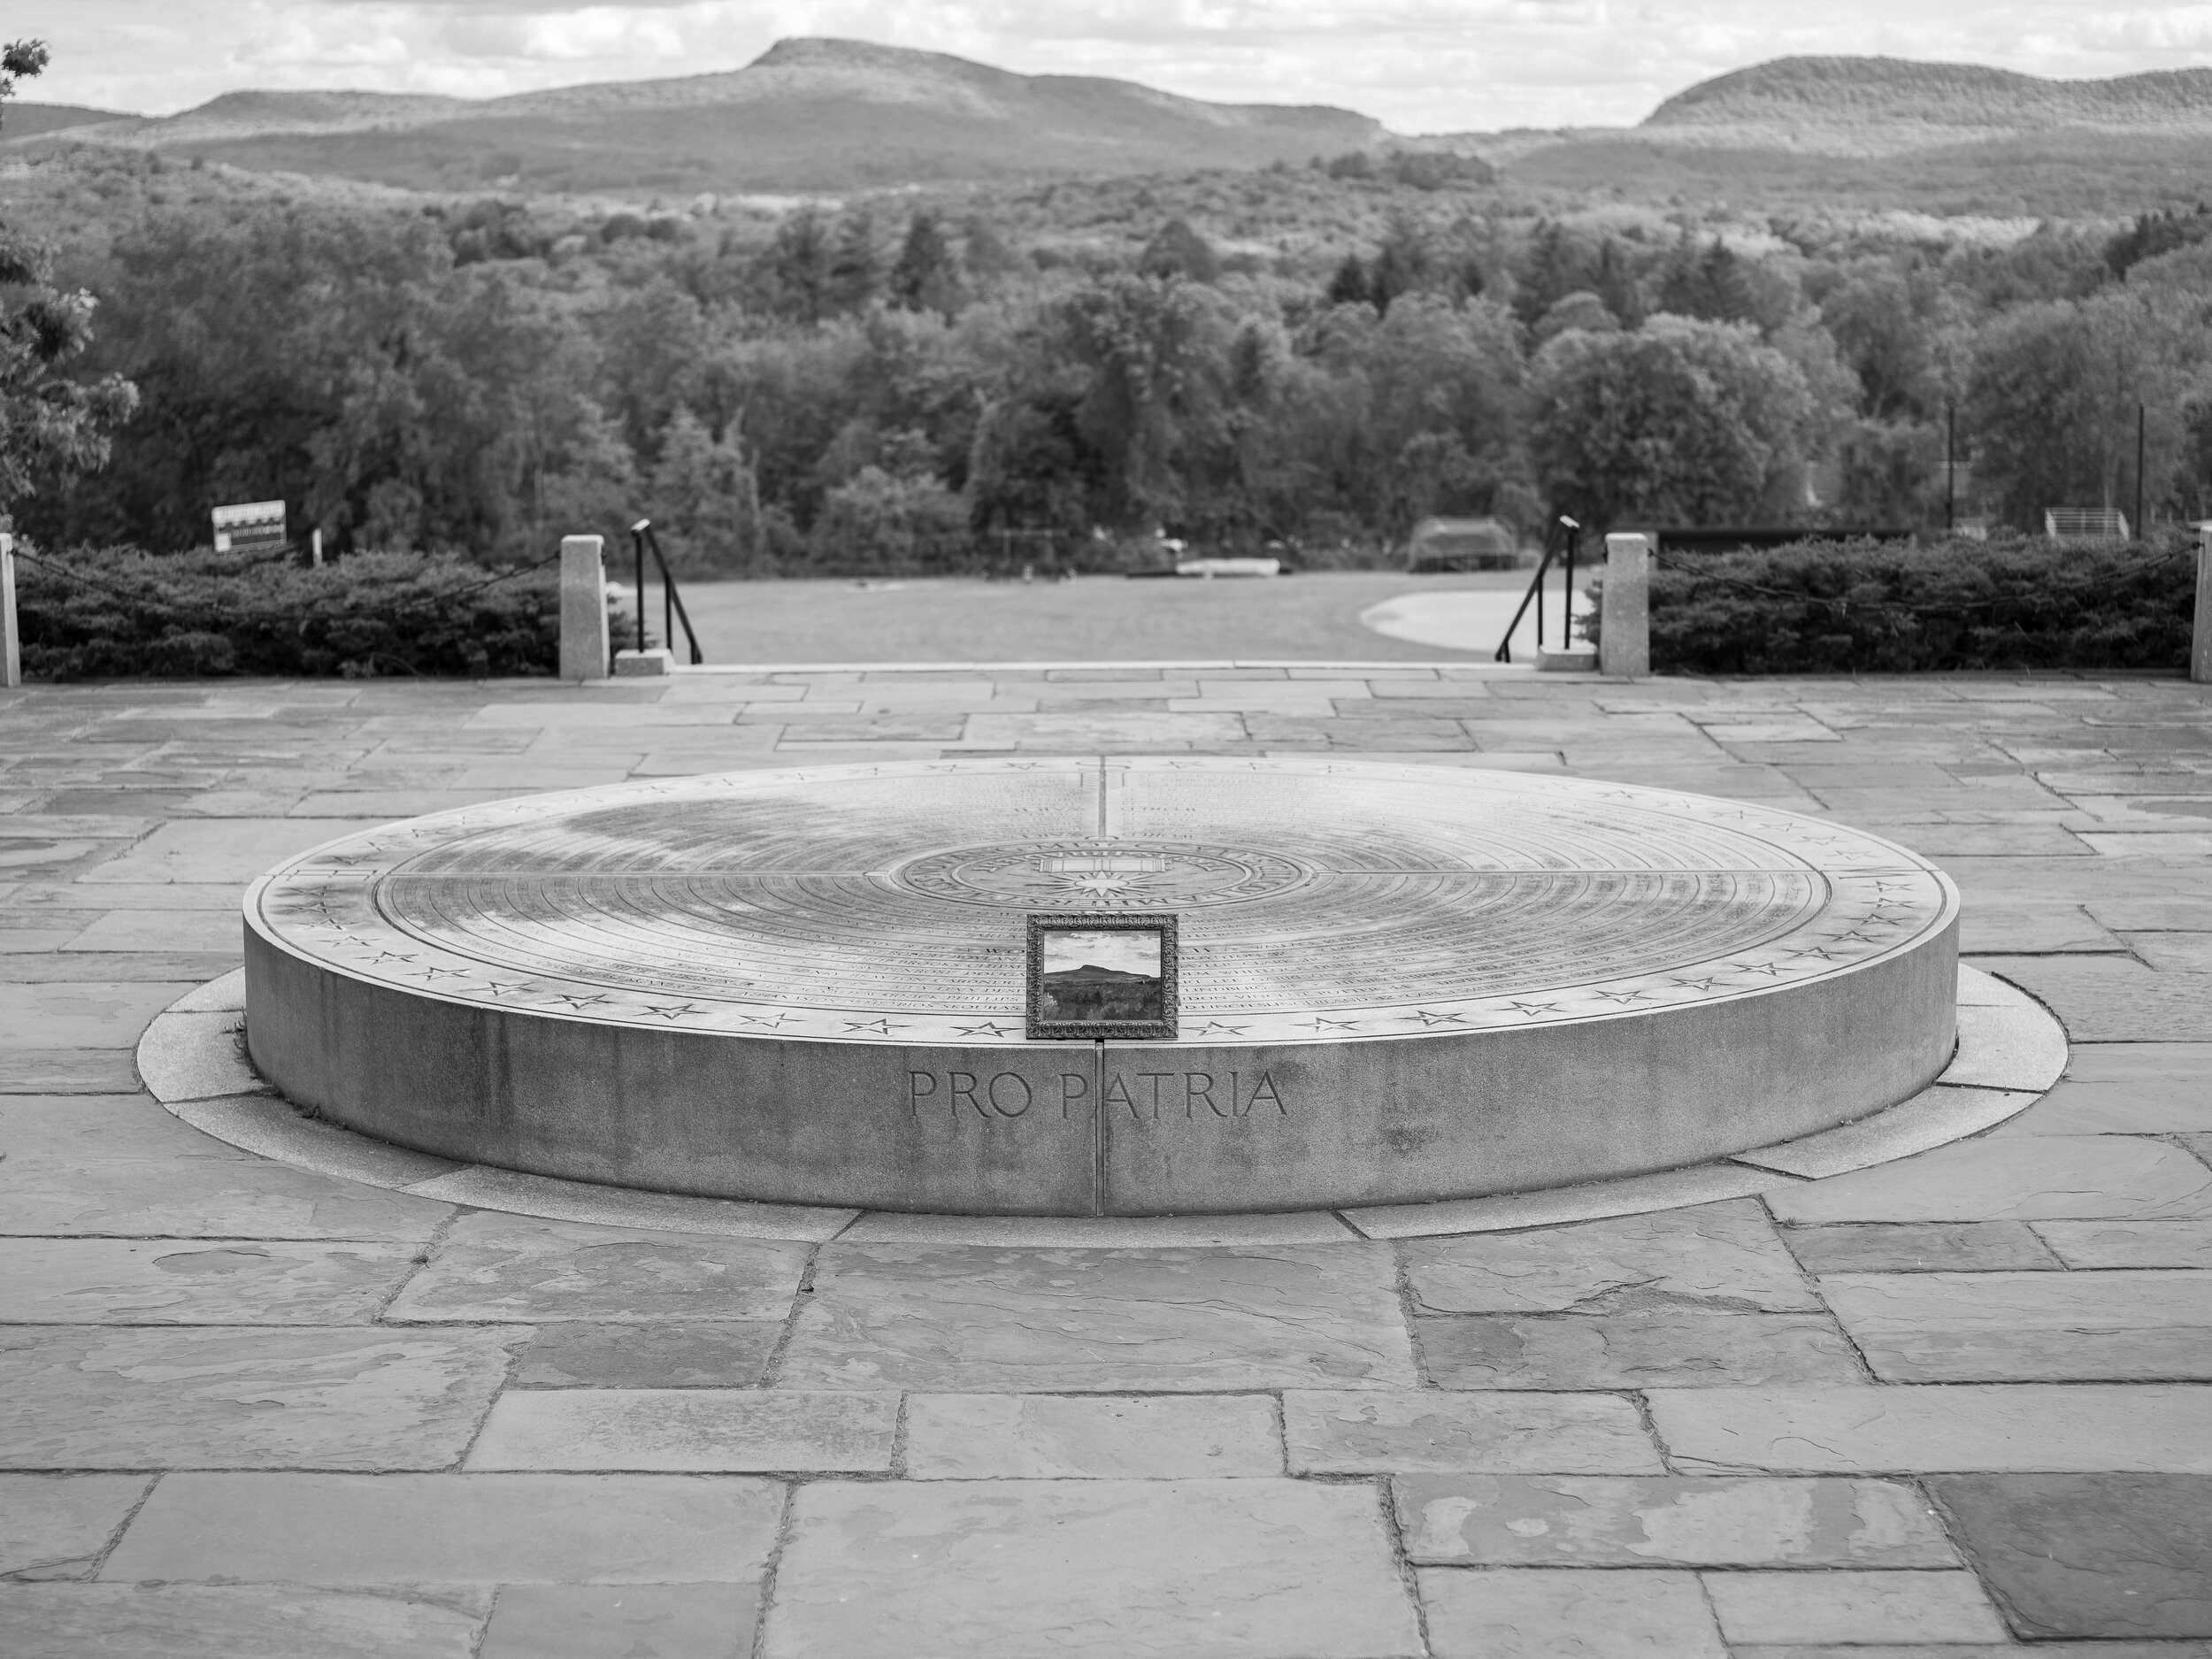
x=1535 y=593
x=641 y=537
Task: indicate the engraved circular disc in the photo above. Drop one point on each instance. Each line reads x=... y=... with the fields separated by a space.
x=1319 y=900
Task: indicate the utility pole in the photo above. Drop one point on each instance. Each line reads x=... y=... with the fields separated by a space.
x=2140 y=529
x=1950 y=467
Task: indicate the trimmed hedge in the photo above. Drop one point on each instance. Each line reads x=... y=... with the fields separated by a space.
x=1859 y=607
x=120 y=612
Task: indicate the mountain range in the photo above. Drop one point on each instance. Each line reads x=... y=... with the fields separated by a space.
x=829 y=115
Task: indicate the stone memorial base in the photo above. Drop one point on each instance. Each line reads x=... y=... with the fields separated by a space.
x=1398 y=984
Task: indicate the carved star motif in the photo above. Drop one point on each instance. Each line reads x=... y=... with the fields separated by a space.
x=673 y=1010
x=989 y=1028
x=1770 y=969
x=1531 y=1009
x=1815 y=950
x=1318 y=1024
x=881 y=1028
x=1624 y=996
x=1706 y=984
x=391 y=955
x=771 y=1021
x=437 y=973
x=1431 y=1016
x=573 y=1001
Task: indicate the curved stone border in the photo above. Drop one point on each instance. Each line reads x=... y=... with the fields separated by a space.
x=192 y=1059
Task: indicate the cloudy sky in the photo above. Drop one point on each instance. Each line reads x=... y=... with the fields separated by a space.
x=1420 y=66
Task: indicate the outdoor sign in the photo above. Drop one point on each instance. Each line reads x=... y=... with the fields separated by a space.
x=249 y=524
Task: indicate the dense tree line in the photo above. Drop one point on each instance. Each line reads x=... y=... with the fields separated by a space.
x=860 y=387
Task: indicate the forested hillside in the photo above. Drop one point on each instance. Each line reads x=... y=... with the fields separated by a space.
x=1309 y=357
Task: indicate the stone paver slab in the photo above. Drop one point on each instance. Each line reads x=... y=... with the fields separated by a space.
x=631 y=1621
x=345 y=1529
x=122 y=1282
x=2037 y=1177
x=2028 y=1327
x=696 y=1354
x=217 y=850
x=1033 y=1436
x=1944 y=1428
x=972 y=1319
x=1551 y=1613
x=1365 y=1431
x=72 y=1621
x=1599 y=1521
x=43 y=1071
x=228 y=1197
x=2117 y=999
x=687 y=1429
x=101 y=1127
x=1717 y=1256
x=55 y=1526
x=209 y=1397
x=1655 y=1348
x=80 y=1014
x=1923 y=1247
x=1008 y=1569
x=2128 y=1243
x=492 y=1267
x=2089 y=1555
x=2145 y=1088
x=1853 y=1606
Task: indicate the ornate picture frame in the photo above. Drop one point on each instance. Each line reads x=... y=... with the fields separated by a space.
x=1096 y=976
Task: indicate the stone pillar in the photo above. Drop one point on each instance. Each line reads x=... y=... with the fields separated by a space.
x=1624 y=612
x=11 y=636
x=583 y=608
x=2200 y=645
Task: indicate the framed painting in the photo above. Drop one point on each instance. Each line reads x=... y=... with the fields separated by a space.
x=1101 y=976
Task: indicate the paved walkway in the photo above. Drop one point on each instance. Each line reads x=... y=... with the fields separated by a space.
x=1934 y=1408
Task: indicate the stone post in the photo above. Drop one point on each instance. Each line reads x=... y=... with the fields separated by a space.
x=11 y=637
x=2200 y=645
x=1624 y=612
x=583 y=608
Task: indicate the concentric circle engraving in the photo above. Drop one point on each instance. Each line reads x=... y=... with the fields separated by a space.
x=1320 y=901
x=1100 y=875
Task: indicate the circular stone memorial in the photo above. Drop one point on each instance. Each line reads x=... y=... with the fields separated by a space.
x=1396 y=983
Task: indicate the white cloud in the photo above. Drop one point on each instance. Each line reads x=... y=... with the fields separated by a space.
x=1418 y=65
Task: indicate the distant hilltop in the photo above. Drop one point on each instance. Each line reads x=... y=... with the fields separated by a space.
x=808 y=115
x=816 y=117
x=1885 y=105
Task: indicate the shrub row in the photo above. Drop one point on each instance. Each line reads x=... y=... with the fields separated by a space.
x=1856 y=607
x=117 y=611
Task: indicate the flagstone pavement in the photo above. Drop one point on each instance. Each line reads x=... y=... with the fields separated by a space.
x=1957 y=1405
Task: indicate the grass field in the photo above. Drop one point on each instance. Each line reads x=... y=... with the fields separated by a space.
x=1311 y=617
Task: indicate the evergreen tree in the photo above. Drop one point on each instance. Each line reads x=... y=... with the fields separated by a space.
x=854 y=273
x=1176 y=251
x=924 y=278
x=1708 y=284
x=797 y=267
x=1402 y=264
x=1348 y=285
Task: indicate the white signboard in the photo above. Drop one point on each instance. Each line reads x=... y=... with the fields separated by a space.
x=249 y=524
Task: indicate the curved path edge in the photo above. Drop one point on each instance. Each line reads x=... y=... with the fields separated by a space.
x=192 y=1059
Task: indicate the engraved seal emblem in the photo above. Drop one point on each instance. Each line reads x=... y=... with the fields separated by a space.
x=1103 y=875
